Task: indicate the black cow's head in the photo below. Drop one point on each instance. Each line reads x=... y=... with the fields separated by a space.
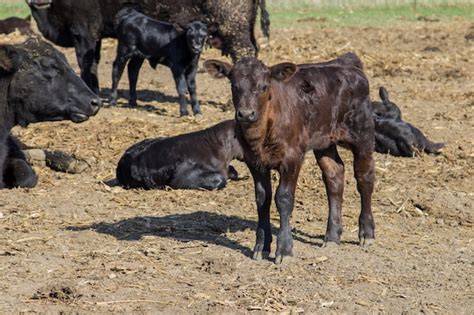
x=42 y=85
x=196 y=33
x=386 y=108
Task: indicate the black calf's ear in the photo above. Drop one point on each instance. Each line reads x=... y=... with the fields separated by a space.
x=283 y=71
x=383 y=93
x=217 y=69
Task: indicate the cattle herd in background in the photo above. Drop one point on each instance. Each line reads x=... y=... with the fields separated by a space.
x=281 y=112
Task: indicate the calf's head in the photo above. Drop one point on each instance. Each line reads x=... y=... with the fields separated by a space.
x=196 y=33
x=386 y=108
x=42 y=86
x=251 y=81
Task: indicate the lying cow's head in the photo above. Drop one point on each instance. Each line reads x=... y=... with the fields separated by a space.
x=42 y=86
x=196 y=33
x=251 y=82
x=386 y=108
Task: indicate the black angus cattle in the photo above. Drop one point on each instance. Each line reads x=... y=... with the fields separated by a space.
x=9 y=25
x=395 y=136
x=140 y=37
x=36 y=84
x=82 y=24
x=197 y=160
x=284 y=111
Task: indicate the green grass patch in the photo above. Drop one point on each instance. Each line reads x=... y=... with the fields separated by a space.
x=365 y=16
x=19 y=9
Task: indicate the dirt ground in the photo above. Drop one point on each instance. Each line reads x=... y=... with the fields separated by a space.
x=75 y=245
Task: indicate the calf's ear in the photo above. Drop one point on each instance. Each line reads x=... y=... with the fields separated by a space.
x=8 y=59
x=283 y=71
x=383 y=93
x=217 y=69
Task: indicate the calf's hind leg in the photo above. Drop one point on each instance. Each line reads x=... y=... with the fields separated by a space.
x=332 y=168
x=133 y=69
x=117 y=71
x=364 y=172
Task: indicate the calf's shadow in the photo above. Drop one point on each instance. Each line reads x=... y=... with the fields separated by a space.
x=197 y=226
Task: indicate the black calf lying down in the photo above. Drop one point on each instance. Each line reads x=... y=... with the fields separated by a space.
x=395 y=136
x=36 y=84
x=191 y=161
x=141 y=37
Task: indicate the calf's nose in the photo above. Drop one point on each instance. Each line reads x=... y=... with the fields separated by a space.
x=246 y=115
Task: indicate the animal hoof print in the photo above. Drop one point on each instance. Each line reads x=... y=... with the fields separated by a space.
x=366 y=242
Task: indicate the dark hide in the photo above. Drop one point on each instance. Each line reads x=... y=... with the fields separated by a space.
x=197 y=160
x=395 y=136
x=36 y=84
x=9 y=25
x=82 y=24
x=141 y=37
x=285 y=110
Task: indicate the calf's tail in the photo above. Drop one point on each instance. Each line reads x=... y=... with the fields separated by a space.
x=264 y=19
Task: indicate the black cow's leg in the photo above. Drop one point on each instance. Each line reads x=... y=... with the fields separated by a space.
x=364 y=172
x=191 y=82
x=263 y=197
x=181 y=87
x=333 y=176
x=133 y=70
x=284 y=199
x=117 y=71
x=86 y=55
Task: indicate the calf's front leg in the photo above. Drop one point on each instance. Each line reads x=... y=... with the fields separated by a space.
x=285 y=199
x=191 y=82
x=181 y=86
x=263 y=197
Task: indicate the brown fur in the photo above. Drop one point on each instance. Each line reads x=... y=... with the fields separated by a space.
x=284 y=111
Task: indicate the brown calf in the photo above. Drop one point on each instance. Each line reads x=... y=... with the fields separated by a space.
x=284 y=111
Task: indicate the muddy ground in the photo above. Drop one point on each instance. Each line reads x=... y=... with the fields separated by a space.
x=75 y=245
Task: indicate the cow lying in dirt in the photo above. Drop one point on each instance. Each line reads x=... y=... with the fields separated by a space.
x=36 y=84
x=9 y=25
x=141 y=37
x=395 y=136
x=197 y=160
x=285 y=110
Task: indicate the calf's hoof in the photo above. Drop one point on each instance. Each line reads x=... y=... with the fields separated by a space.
x=366 y=242
x=183 y=113
x=259 y=255
x=132 y=104
x=279 y=259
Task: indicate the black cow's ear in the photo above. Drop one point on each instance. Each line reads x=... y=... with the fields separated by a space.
x=217 y=69
x=383 y=93
x=9 y=59
x=283 y=71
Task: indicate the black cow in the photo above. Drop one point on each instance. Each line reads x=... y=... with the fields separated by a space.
x=141 y=37
x=197 y=160
x=395 y=136
x=9 y=25
x=82 y=24
x=36 y=84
